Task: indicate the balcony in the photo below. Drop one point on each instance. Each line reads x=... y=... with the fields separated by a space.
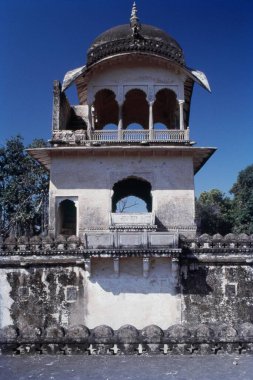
x=82 y=137
x=132 y=219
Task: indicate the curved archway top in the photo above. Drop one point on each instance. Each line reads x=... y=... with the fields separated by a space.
x=121 y=91
x=70 y=198
x=129 y=88
x=132 y=186
x=105 y=90
x=168 y=89
x=134 y=177
x=92 y=93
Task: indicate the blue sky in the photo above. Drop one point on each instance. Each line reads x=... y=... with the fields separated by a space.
x=42 y=39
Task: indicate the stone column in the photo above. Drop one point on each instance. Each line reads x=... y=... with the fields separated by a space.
x=56 y=106
x=151 y=121
x=181 y=114
x=89 y=122
x=120 y=123
x=77 y=217
x=92 y=118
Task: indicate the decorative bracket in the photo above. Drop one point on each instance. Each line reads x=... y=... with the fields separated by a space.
x=116 y=266
x=146 y=266
x=87 y=266
x=175 y=271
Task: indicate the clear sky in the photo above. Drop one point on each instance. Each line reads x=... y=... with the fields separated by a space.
x=43 y=39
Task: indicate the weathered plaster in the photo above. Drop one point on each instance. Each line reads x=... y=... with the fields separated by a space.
x=91 y=180
x=5 y=300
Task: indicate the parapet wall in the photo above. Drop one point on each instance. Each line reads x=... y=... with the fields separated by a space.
x=45 y=282
x=230 y=243
x=178 y=339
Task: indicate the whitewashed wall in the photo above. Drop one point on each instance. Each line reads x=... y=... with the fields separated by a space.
x=90 y=180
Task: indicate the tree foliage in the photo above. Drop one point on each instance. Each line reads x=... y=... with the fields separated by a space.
x=23 y=190
x=214 y=213
x=243 y=201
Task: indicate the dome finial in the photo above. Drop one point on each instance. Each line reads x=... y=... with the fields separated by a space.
x=134 y=21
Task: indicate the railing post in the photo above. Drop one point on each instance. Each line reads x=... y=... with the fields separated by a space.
x=181 y=114
x=89 y=123
x=187 y=133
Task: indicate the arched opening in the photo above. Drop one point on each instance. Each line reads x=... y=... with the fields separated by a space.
x=166 y=110
x=67 y=217
x=106 y=109
x=135 y=109
x=132 y=194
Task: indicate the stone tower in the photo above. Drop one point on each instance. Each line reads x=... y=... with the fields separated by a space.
x=128 y=136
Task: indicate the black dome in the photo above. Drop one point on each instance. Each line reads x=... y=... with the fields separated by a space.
x=122 y=39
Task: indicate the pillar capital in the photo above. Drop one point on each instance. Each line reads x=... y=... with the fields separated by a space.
x=151 y=95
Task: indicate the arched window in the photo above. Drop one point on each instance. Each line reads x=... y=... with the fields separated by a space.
x=165 y=109
x=132 y=194
x=135 y=109
x=67 y=217
x=106 y=109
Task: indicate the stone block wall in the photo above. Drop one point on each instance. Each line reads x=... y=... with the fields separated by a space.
x=217 y=278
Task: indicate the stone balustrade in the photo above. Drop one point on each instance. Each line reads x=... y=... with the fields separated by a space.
x=93 y=240
x=218 y=338
x=120 y=239
x=218 y=242
x=81 y=137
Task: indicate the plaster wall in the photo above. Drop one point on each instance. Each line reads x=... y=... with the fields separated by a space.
x=69 y=296
x=131 y=298
x=91 y=178
x=121 y=79
x=5 y=300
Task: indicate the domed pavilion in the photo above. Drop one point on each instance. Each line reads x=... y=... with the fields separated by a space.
x=127 y=140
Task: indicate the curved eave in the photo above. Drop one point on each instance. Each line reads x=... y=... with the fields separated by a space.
x=71 y=76
x=196 y=75
x=200 y=155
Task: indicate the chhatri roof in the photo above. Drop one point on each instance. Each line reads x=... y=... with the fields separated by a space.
x=124 y=39
x=135 y=38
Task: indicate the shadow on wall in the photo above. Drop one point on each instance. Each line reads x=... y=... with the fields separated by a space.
x=131 y=279
x=196 y=283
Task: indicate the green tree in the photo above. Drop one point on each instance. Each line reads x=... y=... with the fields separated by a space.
x=214 y=213
x=23 y=190
x=243 y=201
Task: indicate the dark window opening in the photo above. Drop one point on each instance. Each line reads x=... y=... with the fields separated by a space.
x=67 y=218
x=76 y=122
x=106 y=109
x=165 y=109
x=135 y=109
x=132 y=195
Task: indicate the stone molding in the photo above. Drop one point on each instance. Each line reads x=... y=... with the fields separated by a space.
x=217 y=242
x=234 y=249
x=129 y=45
